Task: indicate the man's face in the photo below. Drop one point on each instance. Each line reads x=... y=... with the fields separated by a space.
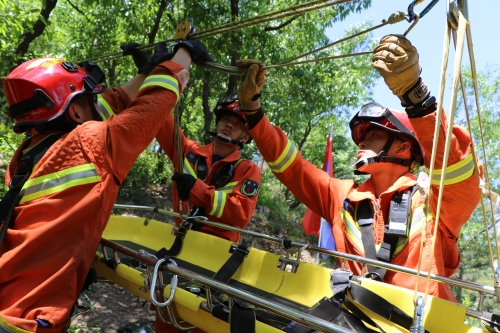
x=231 y=126
x=373 y=142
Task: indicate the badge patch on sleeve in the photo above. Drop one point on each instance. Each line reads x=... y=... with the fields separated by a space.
x=191 y=157
x=250 y=188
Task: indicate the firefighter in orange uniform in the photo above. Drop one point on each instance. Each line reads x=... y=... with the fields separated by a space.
x=53 y=225
x=216 y=180
x=391 y=143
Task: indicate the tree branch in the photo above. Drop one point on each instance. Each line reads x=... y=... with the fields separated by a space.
x=156 y=25
x=79 y=11
x=282 y=25
x=38 y=29
x=172 y=21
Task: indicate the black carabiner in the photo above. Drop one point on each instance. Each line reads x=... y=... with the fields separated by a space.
x=411 y=12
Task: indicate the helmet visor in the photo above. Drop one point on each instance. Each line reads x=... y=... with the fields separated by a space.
x=226 y=100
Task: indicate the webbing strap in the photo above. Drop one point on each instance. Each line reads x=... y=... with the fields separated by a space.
x=23 y=172
x=364 y=215
x=177 y=246
x=380 y=306
x=232 y=264
x=241 y=319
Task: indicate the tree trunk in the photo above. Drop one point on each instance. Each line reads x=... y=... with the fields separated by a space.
x=38 y=29
x=207 y=111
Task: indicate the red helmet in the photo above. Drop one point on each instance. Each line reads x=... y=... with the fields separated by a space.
x=40 y=90
x=374 y=114
x=229 y=106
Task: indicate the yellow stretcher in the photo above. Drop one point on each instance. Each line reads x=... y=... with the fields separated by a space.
x=258 y=277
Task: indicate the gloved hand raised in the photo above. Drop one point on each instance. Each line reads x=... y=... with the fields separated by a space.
x=252 y=81
x=396 y=59
x=196 y=49
x=184 y=184
x=141 y=59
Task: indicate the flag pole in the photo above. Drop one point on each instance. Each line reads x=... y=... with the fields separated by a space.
x=319 y=238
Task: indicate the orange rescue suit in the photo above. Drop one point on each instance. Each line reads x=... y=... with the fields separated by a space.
x=47 y=253
x=236 y=204
x=325 y=196
x=233 y=204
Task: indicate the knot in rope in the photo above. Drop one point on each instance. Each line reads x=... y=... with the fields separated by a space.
x=396 y=17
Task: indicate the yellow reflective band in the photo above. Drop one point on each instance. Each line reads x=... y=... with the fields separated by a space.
x=455 y=173
x=59 y=181
x=105 y=111
x=188 y=170
x=219 y=204
x=228 y=188
x=164 y=81
x=352 y=229
x=9 y=328
x=286 y=158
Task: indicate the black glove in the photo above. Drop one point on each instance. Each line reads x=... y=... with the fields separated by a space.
x=184 y=184
x=196 y=49
x=141 y=59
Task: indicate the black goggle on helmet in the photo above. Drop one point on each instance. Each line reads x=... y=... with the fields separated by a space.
x=375 y=115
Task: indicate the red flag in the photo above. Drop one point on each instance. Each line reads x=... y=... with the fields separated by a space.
x=312 y=221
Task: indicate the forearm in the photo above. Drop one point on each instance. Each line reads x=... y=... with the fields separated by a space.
x=133 y=85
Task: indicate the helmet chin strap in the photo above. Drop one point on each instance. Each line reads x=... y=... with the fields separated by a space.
x=381 y=157
x=226 y=139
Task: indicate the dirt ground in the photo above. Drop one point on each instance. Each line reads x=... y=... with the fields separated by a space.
x=107 y=307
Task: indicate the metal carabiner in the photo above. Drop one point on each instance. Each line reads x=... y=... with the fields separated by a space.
x=173 y=285
x=418 y=317
x=411 y=12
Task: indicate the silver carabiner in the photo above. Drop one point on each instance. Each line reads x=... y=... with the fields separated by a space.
x=173 y=285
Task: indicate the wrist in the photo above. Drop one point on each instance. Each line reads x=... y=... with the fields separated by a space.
x=253 y=117
x=182 y=57
x=415 y=96
x=425 y=108
x=249 y=106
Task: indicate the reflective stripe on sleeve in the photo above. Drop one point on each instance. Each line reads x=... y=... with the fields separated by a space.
x=286 y=158
x=165 y=81
x=455 y=173
x=105 y=111
x=228 y=188
x=59 y=181
x=218 y=204
x=188 y=169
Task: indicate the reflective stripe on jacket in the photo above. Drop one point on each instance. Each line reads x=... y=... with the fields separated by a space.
x=228 y=205
x=325 y=196
x=46 y=255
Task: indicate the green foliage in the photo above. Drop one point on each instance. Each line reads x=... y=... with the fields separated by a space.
x=475 y=238
x=150 y=168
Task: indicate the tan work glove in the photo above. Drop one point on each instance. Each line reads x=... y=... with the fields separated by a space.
x=252 y=83
x=397 y=62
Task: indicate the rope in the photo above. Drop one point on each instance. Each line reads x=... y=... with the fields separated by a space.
x=474 y=156
x=444 y=67
x=458 y=61
x=485 y=166
x=231 y=70
x=317 y=60
x=290 y=11
x=412 y=25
